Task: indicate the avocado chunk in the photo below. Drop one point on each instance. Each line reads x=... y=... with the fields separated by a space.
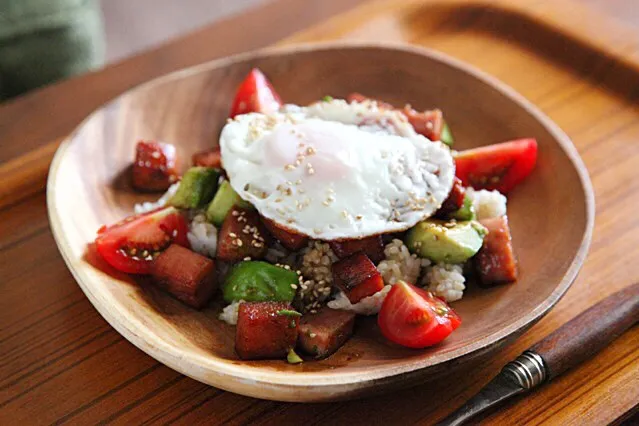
x=224 y=200
x=448 y=242
x=255 y=281
x=196 y=188
x=446 y=135
x=466 y=211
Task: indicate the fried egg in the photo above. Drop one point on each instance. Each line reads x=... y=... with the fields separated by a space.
x=335 y=170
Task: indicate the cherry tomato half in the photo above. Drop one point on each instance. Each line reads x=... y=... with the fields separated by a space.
x=255 y=94
x=500 y=166
x=415 y=318
x=131 y=244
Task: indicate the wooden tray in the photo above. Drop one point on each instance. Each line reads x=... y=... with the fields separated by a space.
x=577 y=67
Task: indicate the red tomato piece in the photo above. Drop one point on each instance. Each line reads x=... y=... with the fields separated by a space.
x=415 y=318
x=154 y=168
x=132 y=244
x=255 y=94
x=210 y=158
x=500 y=166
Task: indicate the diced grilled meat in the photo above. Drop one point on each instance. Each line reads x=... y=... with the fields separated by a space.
x=188 y=276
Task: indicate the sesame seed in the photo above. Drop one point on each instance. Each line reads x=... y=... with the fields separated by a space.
x=289 y=167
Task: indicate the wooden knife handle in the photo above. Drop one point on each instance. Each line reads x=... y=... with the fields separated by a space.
x=589 y=332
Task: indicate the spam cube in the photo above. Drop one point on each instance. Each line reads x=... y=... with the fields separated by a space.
x=210 y=158
x=427 y=123
x=242 y=235
x=357 y=277
x=495 y=261
x=185 y=274
x=154 y=168
x=373 y=247
x=323 y=333
x=289 y=239
x=454 y=201
x=265 y=330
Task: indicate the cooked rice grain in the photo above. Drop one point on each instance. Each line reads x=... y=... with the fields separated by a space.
x=445 y=280
x=367 y=306
x=161 y=202
x=317 y=276
x=229 y=313
x=202 y=236
x=487 y=203
x=400 y=264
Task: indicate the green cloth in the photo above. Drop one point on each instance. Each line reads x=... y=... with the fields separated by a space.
x=42 y=41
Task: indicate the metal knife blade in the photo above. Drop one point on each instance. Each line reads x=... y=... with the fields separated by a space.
x=502 y=387
x=565 y=348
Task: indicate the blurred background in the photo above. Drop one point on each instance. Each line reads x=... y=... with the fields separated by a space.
x=132 y=26
x=43 y=41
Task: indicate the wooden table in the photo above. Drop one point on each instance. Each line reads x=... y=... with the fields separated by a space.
x=61 y=362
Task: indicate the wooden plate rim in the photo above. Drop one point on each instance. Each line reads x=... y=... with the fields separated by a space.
x=172 y=356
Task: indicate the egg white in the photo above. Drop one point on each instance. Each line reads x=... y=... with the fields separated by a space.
x=335 y=170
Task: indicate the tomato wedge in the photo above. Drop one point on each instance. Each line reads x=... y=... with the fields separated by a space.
x=415 y=318
x=255 y=94
x=500 y=166
x=131 y=244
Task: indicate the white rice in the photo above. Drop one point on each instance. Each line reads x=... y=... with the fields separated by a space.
x=161 y=202
x=399 y=264
x=202 y=236
x=367 y=306
x=317 y=273
x=445 y=280
x=487 y=203
x=229 y=313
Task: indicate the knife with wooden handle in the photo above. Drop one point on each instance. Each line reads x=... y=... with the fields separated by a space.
x=568 y=346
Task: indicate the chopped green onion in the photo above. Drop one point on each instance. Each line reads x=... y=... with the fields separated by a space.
x=327 y=98
x=289 y=313
x=293 y=358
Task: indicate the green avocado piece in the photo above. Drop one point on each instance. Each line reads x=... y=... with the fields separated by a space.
x=224 y=200
x=255 y=281
x=448 y=242
x=466 y=211
x=196 y=188
x=447 y=135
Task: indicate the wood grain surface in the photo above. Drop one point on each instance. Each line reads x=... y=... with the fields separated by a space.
x=60 y=362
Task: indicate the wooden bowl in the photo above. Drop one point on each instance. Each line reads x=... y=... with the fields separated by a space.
x=551 y=213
